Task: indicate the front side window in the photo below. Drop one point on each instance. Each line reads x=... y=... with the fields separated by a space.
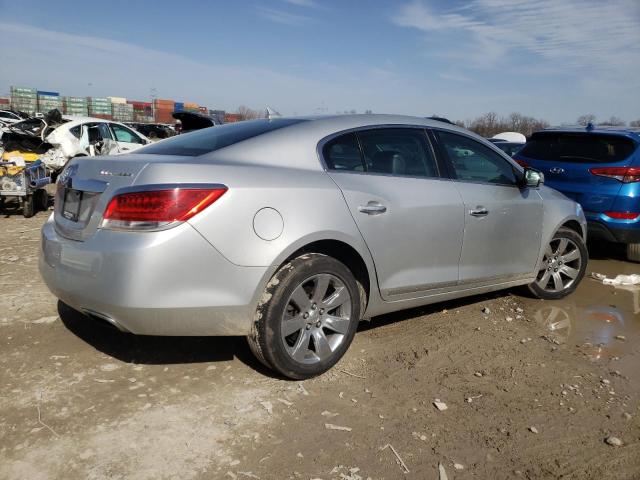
x=125 y=135
x=398 y=151
x=343 y=153
x=473 y=162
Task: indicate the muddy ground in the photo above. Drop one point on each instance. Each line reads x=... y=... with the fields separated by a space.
x=532 y=389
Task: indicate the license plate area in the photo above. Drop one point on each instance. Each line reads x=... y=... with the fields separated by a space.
x=71 y=204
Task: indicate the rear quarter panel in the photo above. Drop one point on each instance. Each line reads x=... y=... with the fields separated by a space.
x=310 y=204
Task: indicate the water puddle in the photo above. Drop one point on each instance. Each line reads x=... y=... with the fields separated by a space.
x=602 y=320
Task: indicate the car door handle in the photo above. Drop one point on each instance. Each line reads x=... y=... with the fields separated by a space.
x=479 y=212
x=372 y=208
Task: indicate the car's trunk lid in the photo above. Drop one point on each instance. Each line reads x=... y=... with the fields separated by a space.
x=86 y=185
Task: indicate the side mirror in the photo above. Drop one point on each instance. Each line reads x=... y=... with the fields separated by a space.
x=532 y=178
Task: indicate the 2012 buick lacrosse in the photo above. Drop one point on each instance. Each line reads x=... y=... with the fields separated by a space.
x=292 y=230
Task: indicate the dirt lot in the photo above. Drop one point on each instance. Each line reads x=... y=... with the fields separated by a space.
x=532 y=389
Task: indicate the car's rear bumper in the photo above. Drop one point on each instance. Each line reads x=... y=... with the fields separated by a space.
x=152 y=283
x=612 y=232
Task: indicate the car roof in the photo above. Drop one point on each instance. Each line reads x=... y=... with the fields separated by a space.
x=336 y=123
x=633 y=132
x=312 y=131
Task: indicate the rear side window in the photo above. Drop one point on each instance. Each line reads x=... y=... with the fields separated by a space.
x=343 y=153
x=578 y=147
x=214 y=138
x=398 y=151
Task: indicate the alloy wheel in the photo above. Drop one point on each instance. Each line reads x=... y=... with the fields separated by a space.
x=316 y=318
x=560 y=266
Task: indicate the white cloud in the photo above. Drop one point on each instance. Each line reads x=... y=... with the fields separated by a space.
x=303 y=3
x=597 y=36
x=280 y=16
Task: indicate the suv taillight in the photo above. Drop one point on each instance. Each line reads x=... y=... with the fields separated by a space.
x=622 y=174
x=155 y=209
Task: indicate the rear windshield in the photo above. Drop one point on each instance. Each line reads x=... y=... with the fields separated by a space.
x=214 y=138
x=578 y=147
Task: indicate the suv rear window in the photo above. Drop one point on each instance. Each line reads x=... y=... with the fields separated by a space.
x=214 y=138
x=578 y=147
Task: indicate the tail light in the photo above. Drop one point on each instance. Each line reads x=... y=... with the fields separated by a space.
x=622 y=174
x=156 y=209
x=622 y=215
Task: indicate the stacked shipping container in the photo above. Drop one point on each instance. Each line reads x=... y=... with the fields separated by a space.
x=48 y=101
x=24 y=99
x=122 y=111
x=163 y=110
x=142 y=111
x=30 y=100
x=100 y=107
x=77 y=106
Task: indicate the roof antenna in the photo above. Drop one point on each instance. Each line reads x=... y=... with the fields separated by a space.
x=271 y=113
x=589 y=127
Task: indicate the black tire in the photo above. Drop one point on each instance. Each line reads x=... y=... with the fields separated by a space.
x=633 y=252
x=28 y=208
x=576 y=239
x=41 y=199
x=267 y=341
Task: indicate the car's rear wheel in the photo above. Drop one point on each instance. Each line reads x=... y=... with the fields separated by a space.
x=633 y=252
x=308 y=316
x=563 y=266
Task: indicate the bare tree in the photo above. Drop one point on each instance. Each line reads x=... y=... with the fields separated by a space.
x=246 y=113
x=613 y=122
x=634 y=123
x=586 y=119
x=490 y=124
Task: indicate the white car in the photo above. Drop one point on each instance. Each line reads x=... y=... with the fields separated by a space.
x=7 y=117
x=66 y=137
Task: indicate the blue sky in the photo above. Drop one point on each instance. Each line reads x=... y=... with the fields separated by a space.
x=545 y=58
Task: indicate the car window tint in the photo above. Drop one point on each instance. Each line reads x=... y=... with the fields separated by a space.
x=398 y=151
x=76 y=131
x=124 y=134
x=474 y=162
x=343 y=153
x=104 y=131
x=210 y=139
x=578 y=147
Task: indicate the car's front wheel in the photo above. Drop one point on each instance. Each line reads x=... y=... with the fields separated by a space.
x=308 y=316
x=563 y=266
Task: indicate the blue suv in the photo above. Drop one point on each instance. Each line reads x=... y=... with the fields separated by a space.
x=599 y=167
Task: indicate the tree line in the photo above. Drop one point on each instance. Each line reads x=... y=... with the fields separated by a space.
x=490 y=123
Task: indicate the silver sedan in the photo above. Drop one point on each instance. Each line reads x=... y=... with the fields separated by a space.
x=292 y=230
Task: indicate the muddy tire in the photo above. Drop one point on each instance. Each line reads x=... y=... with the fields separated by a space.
x=28 y=207
x=41 y=199
x=563 y=266
x=633 y=252
x=307 y=317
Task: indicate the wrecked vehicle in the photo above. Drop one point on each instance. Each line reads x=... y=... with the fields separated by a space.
x=36 y=149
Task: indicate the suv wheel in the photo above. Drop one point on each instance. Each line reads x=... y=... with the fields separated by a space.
x=308 y=316
x=633 y=252
x=562 y=267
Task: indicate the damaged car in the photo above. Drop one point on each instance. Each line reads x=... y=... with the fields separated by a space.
x=35 y=150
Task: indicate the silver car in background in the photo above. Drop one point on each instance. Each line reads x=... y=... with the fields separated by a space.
x=292 y=230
